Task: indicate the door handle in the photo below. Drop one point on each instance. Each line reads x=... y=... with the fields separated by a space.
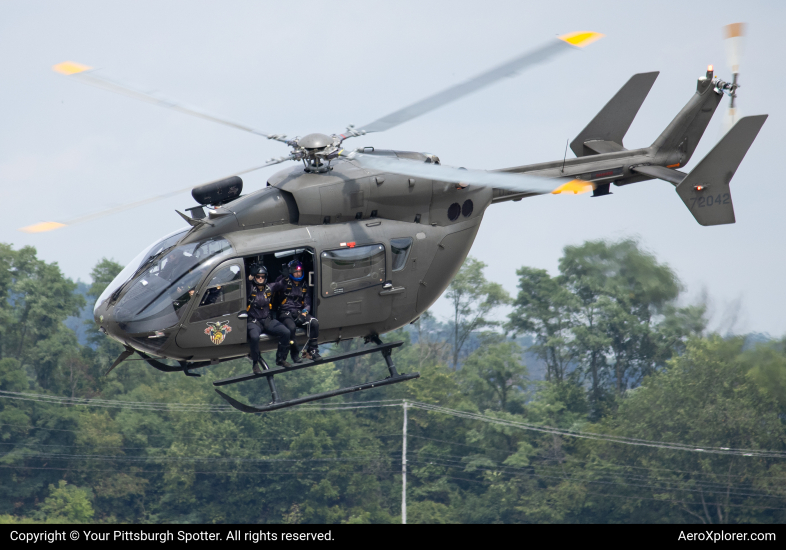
x=394 y=290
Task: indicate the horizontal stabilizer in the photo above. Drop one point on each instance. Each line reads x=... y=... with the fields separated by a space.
x=613 y=121
x=662 y=173
x=601 y=147
x=705 y=191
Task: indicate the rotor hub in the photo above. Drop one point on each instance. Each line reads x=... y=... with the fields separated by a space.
x=315 y=142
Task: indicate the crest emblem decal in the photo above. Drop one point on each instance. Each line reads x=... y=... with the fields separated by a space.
x=218 y=331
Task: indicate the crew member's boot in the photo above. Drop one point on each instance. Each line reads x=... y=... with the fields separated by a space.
x=256 y=368
x=313 y=353
x=295 y=353
x=281 y=358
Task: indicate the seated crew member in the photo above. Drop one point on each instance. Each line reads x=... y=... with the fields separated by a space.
x=295 y=310
x=260 y=319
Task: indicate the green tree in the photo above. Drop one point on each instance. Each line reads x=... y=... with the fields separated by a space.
x=67 y=504
x=709 y=398
x=102 y=274
x=626 y=288
x=494 y=376
x=546 y=309
x=472 y=299
x=39 y=298
x=610 y=317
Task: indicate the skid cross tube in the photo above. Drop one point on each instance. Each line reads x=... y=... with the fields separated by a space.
x=384 y=349
x=386 y=353
x=270 y=382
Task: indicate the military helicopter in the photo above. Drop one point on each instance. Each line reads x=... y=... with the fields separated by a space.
x=380 y=233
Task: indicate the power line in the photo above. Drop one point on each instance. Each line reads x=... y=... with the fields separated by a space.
x=184 y=407
x=485 y=482
x=572 y=477
x=602 y=466
x=598 y=437
x=569 y=478
x=314 y=471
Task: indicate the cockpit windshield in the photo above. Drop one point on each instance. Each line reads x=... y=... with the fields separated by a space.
x=160 y=294
x=143 y=257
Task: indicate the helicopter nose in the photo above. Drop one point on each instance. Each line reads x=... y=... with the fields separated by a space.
x=149 y=341
x=107 y=325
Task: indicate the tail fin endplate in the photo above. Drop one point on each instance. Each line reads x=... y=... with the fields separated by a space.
x=705 y=191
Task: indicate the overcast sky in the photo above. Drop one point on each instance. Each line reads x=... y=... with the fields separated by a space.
x=67 y=149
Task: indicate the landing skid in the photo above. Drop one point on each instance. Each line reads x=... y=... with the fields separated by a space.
x=316 y=396
x=277 y=403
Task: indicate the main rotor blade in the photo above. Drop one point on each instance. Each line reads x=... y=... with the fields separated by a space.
x=88 y=75
x=563 y=44
x=520 y=183
x=49 y=226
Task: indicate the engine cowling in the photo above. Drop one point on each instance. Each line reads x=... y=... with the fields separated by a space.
x=218 y=192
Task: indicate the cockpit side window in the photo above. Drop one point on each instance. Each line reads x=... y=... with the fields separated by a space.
x=159 y=295
x=141 y=259
x=222 y=296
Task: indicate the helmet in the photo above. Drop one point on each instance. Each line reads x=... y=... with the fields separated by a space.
x=293 y=266
x=259 y=270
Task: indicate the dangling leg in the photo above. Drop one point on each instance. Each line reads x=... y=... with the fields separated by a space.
x=307 y=327
x=313 y=339
x=279 y=331
x=282 y=334
x=253 y=331
x=288 y=322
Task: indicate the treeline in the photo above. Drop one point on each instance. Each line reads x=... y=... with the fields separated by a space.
x=642 y=416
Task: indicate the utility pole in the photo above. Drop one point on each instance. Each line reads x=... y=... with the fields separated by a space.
x=404 y=470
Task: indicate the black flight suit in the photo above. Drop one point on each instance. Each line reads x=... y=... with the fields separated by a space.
x=295 y=311
x=260 y=319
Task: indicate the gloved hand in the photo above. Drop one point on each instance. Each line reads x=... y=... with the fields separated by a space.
x=303 y=315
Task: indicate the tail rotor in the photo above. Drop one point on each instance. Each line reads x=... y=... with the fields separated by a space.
x=733 y=35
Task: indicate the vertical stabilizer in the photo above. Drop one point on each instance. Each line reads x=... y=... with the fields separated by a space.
x=679 y=140
x=705 y=191
x=611 y=124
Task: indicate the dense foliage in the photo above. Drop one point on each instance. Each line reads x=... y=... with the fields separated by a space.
x=640 y=417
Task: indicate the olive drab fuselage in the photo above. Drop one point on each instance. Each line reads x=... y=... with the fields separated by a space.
x=344 y=208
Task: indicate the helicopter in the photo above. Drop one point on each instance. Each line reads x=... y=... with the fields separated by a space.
x=380 y=233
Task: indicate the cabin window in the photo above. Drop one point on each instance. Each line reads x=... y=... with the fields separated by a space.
x=349 y=269
x=223 y=296
x=399 y=249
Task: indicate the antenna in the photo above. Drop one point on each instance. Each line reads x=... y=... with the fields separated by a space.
x=565 y=156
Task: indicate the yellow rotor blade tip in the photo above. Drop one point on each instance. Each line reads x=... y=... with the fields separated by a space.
x=70 y=67
x=577 y=187
x=41 y=227
x=581 y=38
x=734 y=30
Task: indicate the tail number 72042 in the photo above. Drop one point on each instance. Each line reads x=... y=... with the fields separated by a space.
x=709 y=200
